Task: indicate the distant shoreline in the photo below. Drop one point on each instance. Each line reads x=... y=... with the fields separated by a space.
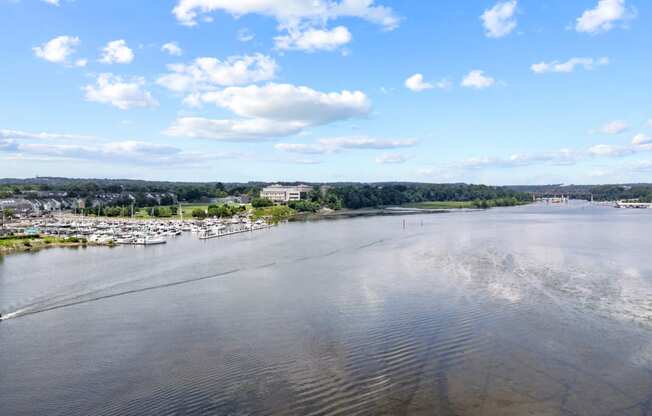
x=370 y=212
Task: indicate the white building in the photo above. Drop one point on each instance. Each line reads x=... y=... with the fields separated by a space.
x=281 y=194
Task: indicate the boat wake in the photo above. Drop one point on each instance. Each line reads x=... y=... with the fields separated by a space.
x=54 y=302
x=89 y=297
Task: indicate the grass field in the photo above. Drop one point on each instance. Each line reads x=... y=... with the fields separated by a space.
x=185 y=208
x=188 y=208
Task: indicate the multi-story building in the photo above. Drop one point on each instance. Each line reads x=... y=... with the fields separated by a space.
x=282 y=194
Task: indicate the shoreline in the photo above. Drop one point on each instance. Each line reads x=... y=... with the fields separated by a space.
x=370 y=212
x=27 y=245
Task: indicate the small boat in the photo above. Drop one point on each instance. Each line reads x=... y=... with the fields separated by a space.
x=149 y=241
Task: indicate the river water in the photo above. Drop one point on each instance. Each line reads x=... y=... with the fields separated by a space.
x=542 y=310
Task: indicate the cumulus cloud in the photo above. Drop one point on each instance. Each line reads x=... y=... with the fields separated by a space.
x=338 y=144
x=52 y=2
x=568 y=66
x=208 y=73
x=614 y=127
x=499 y=21
x=392 y=158
x=478 y=80
x=641 y=139
x=58 y=50
x=287 y=102
x=172 y=48
x=603 y=16
x=312 y=39
x=417 y=84
x=117 y=52
x=119 y=92
x=270 y=111
x=242 y=130
x=289 y=12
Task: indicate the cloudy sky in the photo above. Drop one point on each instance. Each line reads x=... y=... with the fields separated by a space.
x=483 y=91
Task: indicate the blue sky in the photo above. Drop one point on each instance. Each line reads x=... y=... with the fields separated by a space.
x=482 y=91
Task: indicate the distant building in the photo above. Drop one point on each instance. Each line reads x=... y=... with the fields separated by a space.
x=281 y=194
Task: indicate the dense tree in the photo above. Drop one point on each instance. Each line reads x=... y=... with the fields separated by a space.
x=261 y=203
x=305 y=206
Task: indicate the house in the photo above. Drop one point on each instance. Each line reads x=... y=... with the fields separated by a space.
x=283 y=194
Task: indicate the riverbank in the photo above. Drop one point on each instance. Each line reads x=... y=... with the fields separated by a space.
x=363 y=212
x=430 y=207
x=476 y=204
x=16 y=244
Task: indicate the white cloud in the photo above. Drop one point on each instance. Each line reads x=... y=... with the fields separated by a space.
x=568 y=66
x=121 y=93
x=603 y=16
x=57 y=50
x=365 y=143
x=609 y=150
x=614 y=127
x=242 y=130
x=417 y=84
x=477 y=79
x=641 y=139
x=302 y=148
x=338 y=144
x=23 y=135
x=499 y=21
x=209 y=73
x=172 y=48
x=563 y=157
x=245 y=35
x=314 y=39
x=290 y=103
x=52 y=2
x=117 y=52
x=69 y=146
x=557 y=158
x=290 y=13
x=392 y=158
x=270 y=111
x=134 y=152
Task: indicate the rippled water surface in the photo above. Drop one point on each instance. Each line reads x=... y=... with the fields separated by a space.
x=542 y=310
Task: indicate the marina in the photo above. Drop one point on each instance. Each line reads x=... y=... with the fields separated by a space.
x=125 y=231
